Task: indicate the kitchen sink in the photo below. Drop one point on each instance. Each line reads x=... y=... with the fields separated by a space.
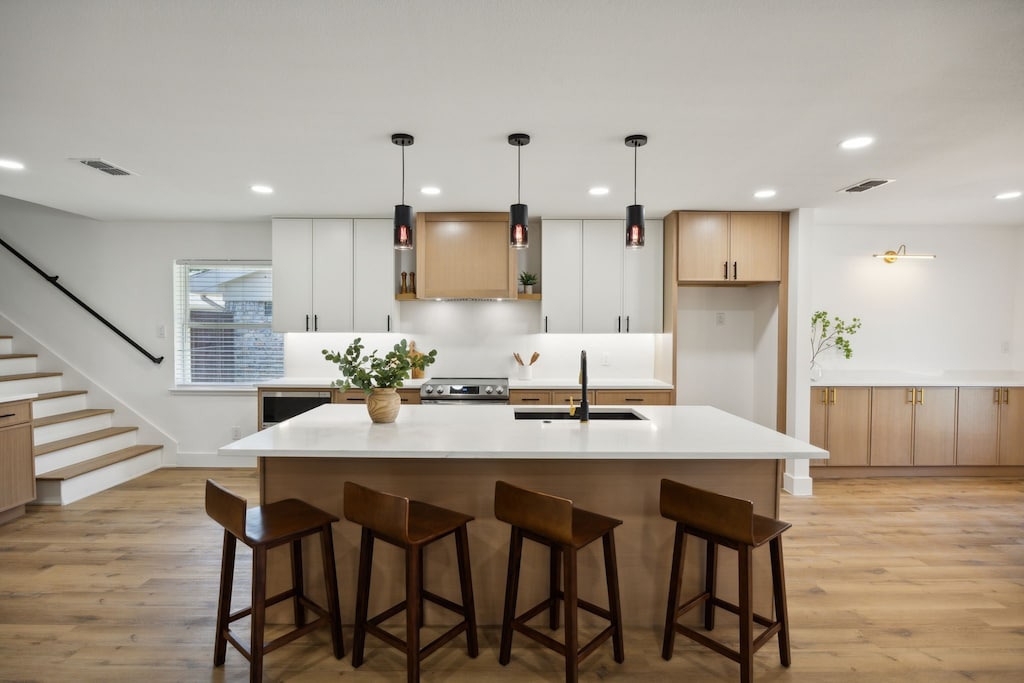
x=564 y=415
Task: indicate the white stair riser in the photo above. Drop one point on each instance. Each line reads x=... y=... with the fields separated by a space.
x=56 y=406
x=76 y=454
x=6 y=346
x=17 y=366
x=36 y=385
x=76 y=488
x=64 y=430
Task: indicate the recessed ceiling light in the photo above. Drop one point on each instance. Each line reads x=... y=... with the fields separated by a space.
x=11 y=164
x=598 y=191
x=262 y=189
x=1008 y=195
x=764 y=194
x=857 y=143
x=430 y=190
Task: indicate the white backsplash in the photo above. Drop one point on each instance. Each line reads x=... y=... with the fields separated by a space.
x=477 y=338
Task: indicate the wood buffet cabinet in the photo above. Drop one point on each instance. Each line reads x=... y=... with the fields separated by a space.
x=17 y=464
x=918 y=426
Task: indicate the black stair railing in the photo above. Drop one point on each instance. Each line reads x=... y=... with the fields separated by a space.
x=52 y=279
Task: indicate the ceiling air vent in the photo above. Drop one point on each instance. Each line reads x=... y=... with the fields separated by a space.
x=865 y=185
x=101 y=165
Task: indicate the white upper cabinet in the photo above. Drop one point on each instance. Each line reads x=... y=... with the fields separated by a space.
x=333 y=275
x=592 y=283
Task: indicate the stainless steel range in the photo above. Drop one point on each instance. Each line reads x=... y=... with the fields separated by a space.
x=465 y=391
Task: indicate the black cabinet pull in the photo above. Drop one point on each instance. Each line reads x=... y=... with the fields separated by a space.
x=545 y=323
x=725 y=275
x=733 y=270
x=389 y=322
x=307 y=322
x=316 y=323
x=7 y=415
x=627 y=324
x=618 y=324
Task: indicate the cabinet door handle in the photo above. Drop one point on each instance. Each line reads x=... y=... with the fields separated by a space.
x=725 y=275
x=529 y=399
x=316 y=323
x=307 y=322
x=1006 y=396
x=7 y=415
x=618 y=324
x=627 y=324
x=545 y=323
x=833 y=395
x=389 y=322
x=996 y=396
x=824 y=397
x=920 y=396
x=633 y=399
x=910 y=396
x=733 y=270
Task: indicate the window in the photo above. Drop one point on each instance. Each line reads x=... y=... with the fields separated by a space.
x=222 y=323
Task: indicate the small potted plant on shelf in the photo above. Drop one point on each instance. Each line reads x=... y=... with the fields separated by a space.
x=527 y=280
x=378 y=376
x=828 y=334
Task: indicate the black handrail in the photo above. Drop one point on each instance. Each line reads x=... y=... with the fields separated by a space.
x=52 y=279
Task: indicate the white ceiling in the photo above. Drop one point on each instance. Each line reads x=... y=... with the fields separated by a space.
x=203 y=98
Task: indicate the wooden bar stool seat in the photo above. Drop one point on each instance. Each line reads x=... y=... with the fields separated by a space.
x=730 y=522
x=565 y=529
x=410 y=525
x=262 y=528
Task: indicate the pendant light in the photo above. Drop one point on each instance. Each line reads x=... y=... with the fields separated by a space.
x=518 y=214
x=635 y=212
x=403 y=212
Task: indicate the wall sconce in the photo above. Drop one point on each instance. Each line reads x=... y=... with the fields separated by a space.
x=901 y=253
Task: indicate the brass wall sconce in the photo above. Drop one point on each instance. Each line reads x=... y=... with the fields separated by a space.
x=901 y=253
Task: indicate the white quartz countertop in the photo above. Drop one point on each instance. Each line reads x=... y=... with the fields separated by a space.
x=492 y=432
x=513 y=383
x=894 y=378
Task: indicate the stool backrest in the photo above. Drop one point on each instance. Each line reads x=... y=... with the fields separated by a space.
x=732 y=518
x=225 y=508
x=543 y=514
x=384 y=513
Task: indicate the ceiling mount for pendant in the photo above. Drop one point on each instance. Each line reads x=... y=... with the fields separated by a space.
x=518 y=214
x=635 y=212
x=403 y=212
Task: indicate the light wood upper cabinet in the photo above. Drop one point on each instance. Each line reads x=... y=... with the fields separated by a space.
x=729 y=247
x=841 y=424
x=464 y=255
x=913 y=426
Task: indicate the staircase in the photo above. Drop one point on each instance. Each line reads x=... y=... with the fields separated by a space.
x=77 y=450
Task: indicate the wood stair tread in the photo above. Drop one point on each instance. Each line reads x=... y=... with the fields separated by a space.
x=11 y=356
x=80 y=439
x=29 y=375
x=59 y=394
x=68 y=417
x=96 y=463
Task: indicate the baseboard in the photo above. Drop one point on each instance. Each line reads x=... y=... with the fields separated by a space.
x=797 y=485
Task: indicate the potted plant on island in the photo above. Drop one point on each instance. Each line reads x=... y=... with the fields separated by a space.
x=527 y=280
x=828 y=334
x=378 y=376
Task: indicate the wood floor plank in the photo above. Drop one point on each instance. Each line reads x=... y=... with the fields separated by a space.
x=905 y=580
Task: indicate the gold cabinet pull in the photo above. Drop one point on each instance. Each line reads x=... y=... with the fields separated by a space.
x=920 y=396
x=910 y=395
x=824 y=397
x=996 y=396
x=833 y=390
x=1006 y=396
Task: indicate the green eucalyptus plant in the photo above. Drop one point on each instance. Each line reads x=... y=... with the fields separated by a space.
x=370 y=371
x=831 y=333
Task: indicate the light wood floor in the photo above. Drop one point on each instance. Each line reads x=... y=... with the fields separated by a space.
x=889 y=580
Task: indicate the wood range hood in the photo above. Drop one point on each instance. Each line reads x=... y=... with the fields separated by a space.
x=464 y=256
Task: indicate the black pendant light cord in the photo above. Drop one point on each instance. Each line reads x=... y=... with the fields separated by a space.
x=634 y=174
x=519 y=174
x=403 y=174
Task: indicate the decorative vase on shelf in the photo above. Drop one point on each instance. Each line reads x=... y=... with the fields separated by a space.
x=528 y=288
x=383 y=404
x=815 y=371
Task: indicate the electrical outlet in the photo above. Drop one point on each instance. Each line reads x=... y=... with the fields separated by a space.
x=720 y=319
x=606 y=358
x=161 y=331
x=236 y=432
x=1005 y=347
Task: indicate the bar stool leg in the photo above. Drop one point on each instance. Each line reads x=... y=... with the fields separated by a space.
x=779 y=588
x=572 y=646
x=331 y=584
x=362 y=596
x=297 y=583
x=746 y=615
x=259 y=608
x=515 y=556
x=611 y=574
x=710 y=584
x=422 y=571
x=413 y=615
x=553 y=584
x=227 y=578
x=674 y=581
x=466 y=579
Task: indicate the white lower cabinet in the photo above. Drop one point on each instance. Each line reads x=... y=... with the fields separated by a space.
x=592 y=283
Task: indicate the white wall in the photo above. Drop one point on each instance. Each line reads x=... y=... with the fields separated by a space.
x=124 y=271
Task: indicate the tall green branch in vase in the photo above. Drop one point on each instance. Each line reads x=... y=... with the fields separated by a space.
x=831 y=333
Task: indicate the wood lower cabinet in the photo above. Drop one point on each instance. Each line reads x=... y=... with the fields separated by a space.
x=990 y=426
x=17 y=464
x=529 y=397
x=913 y=426
x=841 y=424
x=408 y=396
x=561 y=397
x=606 y=397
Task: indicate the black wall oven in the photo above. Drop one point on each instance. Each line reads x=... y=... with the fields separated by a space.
x=279 y=405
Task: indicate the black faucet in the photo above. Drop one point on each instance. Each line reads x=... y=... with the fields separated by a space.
x=584 y=409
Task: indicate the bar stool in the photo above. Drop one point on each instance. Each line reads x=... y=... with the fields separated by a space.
x=730 y=522
x=262 y=528
x=565 y=529
x=410 y=525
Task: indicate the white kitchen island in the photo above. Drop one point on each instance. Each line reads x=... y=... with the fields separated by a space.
x=452 y=455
